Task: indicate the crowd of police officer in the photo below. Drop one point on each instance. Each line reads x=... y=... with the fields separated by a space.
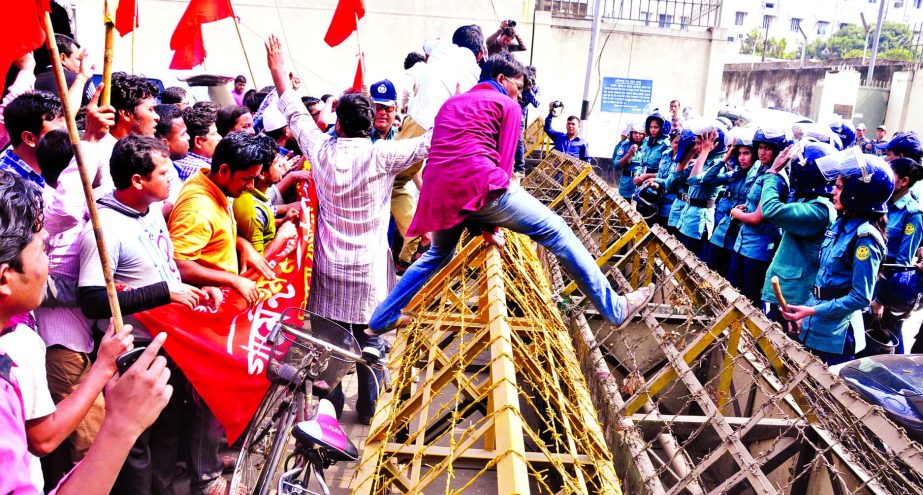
x=838 y=229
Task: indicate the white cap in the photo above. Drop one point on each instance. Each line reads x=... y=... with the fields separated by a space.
x=273 y=119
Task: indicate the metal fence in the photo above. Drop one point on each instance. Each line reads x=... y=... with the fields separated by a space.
x=665 y=14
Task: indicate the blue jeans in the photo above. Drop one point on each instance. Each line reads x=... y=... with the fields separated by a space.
x=517 y=211
x=367 y=391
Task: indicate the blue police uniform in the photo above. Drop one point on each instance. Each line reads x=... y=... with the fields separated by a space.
x=850 y=255
x=664 y=170
x=653 y=153
x=631 y=170
x=905 y=230
x=678 y=183
x=722 y=239
x=698 y=218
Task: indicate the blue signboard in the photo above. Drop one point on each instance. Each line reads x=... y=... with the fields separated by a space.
x=623 y=95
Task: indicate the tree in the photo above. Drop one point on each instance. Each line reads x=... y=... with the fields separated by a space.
x=896 y=43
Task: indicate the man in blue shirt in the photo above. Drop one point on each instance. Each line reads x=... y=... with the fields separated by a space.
x=568 y=143
x=29 y=117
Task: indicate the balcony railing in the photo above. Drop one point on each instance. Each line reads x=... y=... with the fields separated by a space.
x=664 y=14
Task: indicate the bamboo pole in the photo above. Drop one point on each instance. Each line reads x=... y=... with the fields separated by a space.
x=81 y=167
x=107 y=55
x=365 y=80
x=242 y=47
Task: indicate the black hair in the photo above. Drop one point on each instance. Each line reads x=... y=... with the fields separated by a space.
x=128 y=91
x=66 y=45
x=909 y=168
x=173 y=95
x=54 y=153
x=227 y=117
x=242 y=150
x=469 y=37
x=167 y=113
x=309 y=101
x=198 y=120
x=134 y=155
x=502 y=64
x=355 y=114
x=413 y=58
x=28 y=111
x=508 y=31
x=253 y=99
x=573 y=117
x=20 y=217
x=275 y=134
x=207 y=105
x=240 y=79
x=326 y=97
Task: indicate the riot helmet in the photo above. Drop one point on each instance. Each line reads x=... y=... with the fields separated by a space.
x=867 y=179
x=806 y=178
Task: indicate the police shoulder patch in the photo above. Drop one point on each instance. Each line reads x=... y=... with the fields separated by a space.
x=863 y=253
x=909 y=229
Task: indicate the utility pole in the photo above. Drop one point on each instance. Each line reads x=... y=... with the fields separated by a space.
x=865 y=26
x=765 y=37
x=804 y=44
x=585 y=108
x=881 y=15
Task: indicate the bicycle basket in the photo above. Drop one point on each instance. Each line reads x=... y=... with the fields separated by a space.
x=290 y=349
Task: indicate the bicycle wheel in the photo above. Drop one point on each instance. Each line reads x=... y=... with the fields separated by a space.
x=263 y=442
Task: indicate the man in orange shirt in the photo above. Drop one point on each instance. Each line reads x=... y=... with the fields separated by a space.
x=205 y=248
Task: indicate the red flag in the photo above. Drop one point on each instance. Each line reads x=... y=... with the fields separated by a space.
x=358 y=81
x=125 y=20
x=22 y=30
x=345 y=21
x=223 y=352
x=187 y=39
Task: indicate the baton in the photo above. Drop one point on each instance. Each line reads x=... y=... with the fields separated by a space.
x=897 y=267
x=778 y=290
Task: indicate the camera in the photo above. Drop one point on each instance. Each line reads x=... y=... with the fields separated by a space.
x=511 y=23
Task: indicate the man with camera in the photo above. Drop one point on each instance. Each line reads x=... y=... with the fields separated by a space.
x=502 y=39
x=568 y=143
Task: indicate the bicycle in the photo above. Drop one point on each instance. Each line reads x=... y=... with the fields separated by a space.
x=309 y=356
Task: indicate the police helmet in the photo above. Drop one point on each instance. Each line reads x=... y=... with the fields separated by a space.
x=844 y=131
x=684 y=145
x=739 y=137
x=906 y=144
x=647 y=200
x=775 y=137
x=900 y=292
x=665 y=124
x=805 y=177
x=867 y=179
x=723 y=131
x=821 y=133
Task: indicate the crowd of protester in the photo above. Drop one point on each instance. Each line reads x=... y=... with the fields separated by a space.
x=193 y=195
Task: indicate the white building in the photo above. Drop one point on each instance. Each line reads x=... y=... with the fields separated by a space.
x=817 y=18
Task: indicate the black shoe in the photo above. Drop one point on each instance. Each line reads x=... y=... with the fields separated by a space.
x=365 y=420
x=400 y=267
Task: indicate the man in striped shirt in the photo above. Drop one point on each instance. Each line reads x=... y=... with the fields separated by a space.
x=353 y=271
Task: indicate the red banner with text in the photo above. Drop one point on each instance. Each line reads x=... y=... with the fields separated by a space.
x=223 y=351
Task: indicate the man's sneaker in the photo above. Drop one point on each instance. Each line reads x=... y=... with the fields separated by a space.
x=638 y=298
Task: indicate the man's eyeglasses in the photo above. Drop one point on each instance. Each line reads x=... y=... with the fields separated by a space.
x=383 y=108
x=519 y=86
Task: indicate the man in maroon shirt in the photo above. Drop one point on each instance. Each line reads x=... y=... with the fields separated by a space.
x=466 y=182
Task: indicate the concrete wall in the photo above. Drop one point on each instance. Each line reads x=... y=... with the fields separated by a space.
x=683 y=64
x=788 y=86
x=905 y=111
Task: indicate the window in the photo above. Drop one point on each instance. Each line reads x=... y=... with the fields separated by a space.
x=665 y=21
x=646 y=17
x=845 y=24
x=739 y=18
x=684 y=22
x=822 y=27
x=767 y=21
x=917 y=3
x=796 y=25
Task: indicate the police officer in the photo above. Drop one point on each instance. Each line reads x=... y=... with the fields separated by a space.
x=803 y=222
x=757 y=240
x=698 y=218
x=738 y=161
x=831 y=323
x=845 y=132
x=904 y=145
x=655 y=146
x=664 y=170
x=627 y=159
x=905 y=231
x=861 y=140
x=675 y=183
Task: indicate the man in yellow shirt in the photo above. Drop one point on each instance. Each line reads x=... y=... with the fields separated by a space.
x=205 y=248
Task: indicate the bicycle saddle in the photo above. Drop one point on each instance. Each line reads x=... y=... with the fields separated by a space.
x=325 y=431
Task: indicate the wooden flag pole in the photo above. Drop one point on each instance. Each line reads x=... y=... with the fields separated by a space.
x=107 y=55
x=365 y=80
x=242 y=47
x=81 y=167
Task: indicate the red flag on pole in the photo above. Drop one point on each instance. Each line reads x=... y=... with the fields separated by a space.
x=224 y=352
x=345 y=21
x=187 y=39
x=358 y=81
x=22 y=30
x=125 y=20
